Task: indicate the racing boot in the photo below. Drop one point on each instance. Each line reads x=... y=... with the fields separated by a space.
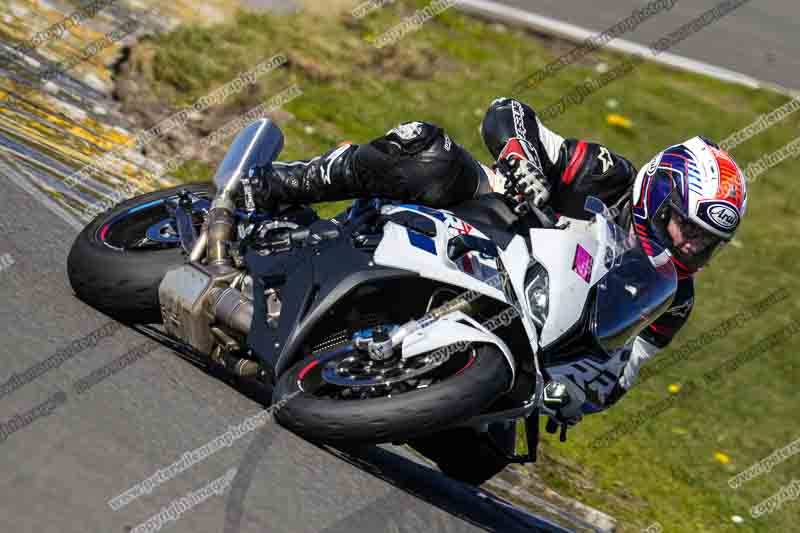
x=324 y=178
x=414 y=162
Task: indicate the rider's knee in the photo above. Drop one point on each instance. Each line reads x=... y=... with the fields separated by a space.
x=507 y=118
x=419 y=161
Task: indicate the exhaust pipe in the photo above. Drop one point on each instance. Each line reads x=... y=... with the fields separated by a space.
x=230 y=308
x=220 y=231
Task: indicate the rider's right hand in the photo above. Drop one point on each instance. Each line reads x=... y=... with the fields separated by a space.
x=524 y=179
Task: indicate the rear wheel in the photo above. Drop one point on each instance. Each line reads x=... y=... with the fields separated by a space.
x=118 y=261
x=342 y=396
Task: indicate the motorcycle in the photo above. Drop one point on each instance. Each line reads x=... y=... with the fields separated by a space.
x=391 y=322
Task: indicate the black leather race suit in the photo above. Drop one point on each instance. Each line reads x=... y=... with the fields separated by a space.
x=418 y=162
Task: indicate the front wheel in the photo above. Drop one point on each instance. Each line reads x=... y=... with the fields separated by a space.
x=342 y=396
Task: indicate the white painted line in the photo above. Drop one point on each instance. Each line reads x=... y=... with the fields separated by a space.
x=579 y=34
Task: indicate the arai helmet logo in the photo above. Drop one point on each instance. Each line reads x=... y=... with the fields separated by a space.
x=723 y=216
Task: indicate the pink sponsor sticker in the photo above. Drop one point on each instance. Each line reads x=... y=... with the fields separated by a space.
x=582 y=265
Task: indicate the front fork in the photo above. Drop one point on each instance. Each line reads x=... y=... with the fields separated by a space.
x=383 y=347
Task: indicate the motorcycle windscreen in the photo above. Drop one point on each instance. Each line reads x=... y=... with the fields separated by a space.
x=256 y=145
x=630 y=297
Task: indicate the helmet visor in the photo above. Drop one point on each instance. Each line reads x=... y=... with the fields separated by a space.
x=692 y=245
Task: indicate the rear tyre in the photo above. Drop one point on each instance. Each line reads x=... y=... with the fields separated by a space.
x=120 y=280
x=462 y=454
x=472 y=380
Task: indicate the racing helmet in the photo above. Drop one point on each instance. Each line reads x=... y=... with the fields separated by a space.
x=690 y=199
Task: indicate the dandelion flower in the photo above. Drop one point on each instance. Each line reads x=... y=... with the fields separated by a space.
x=618 y=120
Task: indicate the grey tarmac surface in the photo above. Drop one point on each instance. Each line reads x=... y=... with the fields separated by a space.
x=58 y=473
x=760 y=38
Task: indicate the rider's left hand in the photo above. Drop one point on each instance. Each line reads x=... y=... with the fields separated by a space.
x=566 y=400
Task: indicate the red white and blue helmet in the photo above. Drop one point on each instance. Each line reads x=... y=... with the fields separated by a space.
x=700 y=187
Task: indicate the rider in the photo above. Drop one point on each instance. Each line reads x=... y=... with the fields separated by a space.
x=690 y=198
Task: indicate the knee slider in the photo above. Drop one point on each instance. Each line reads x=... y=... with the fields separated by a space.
x=414 y=137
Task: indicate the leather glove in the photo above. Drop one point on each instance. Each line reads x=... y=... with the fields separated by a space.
x=525 y=179
x=256 y=179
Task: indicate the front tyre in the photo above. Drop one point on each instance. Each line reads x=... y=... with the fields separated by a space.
x=453 y=392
